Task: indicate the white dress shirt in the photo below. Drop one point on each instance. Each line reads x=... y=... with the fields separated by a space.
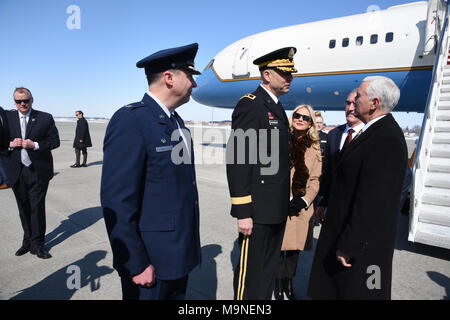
x=371 y=122
x=356 y=129
x=27 y=117
x=274 y=98
x=168 y=113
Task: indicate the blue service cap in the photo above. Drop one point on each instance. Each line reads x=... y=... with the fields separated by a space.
x=173 y=58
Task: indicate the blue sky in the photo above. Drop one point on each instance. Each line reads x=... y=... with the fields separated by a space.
x=94 y=68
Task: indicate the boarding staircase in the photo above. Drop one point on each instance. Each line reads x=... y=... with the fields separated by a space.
x=430 y=192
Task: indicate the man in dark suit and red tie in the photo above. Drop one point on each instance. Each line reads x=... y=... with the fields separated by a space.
x=353 y=259
x=29 y=167
x=337 y=138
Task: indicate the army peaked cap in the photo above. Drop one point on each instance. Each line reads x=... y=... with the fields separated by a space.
x=281 y=59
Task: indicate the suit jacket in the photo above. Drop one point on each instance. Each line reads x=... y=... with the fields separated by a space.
x=150 y=204
x=82 y=133
x=323 y=136
x=257 y=193
x=362 y=216
x=41 y=128
x=299 y=231
x=4 y=134
x=330 y=160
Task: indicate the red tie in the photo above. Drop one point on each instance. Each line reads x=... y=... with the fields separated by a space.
x=349 y=138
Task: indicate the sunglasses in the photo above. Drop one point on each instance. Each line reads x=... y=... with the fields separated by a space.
x=298 y=116
x=26 y=101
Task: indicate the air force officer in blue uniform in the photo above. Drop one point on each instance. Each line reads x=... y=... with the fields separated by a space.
x=148 y=190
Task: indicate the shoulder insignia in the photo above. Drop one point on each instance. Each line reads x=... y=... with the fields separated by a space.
x=250 y=96
x=135 y=105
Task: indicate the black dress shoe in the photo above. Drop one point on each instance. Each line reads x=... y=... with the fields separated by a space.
x=289 y=289
x=41 y=253
x=84 y=165
x=278 y=291
x=75 y=166
x=22 y=251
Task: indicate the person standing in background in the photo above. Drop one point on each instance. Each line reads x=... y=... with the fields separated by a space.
x=337 y=138
x=82 y=140
x=306 y=168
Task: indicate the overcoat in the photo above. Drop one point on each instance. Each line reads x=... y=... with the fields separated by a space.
x=82 y=133
x=330 y=159
x=299 y=230
x=362 y=215
x=259 y=183
x=149 y=198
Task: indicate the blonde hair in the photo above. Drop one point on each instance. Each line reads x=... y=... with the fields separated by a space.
x=312 y=131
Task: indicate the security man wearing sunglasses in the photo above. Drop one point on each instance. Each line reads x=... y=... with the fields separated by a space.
x=29 y=167
x=259 y=189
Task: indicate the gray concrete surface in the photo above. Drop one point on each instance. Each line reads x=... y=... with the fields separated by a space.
x=76 y=236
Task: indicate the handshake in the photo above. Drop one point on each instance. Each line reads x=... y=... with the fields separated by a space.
x=296 y=205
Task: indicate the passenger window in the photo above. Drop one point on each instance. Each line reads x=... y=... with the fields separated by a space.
x=373 y=38
x=332 y=44
x=389 y=37
x=345 y=42
x=359 y=41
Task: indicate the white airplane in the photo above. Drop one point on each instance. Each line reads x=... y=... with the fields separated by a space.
x=332 y=58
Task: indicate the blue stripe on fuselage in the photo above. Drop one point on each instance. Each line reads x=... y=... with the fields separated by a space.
x=323 y=92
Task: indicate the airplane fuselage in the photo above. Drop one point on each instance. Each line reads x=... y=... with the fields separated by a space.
x=333 y=57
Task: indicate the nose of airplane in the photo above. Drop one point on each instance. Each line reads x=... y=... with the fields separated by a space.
x=205 y=86
x=222 y=93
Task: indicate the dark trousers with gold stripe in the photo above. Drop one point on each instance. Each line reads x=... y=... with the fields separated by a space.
x=254 y=276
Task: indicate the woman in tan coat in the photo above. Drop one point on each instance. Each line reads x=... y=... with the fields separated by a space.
x=306 y=168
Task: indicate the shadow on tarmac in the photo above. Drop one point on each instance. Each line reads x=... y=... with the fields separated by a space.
x=96 y=163
x=62 y=284
x=441 y=280
x=75 y=223
x=202 y=283
x=402 y=242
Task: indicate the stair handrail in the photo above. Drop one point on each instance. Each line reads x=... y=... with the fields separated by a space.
x=430 y=91
x=417 y=183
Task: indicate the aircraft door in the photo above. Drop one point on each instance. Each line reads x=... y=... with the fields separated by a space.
x=241 y=59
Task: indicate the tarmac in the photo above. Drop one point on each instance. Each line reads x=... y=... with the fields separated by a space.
x=81 y=267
